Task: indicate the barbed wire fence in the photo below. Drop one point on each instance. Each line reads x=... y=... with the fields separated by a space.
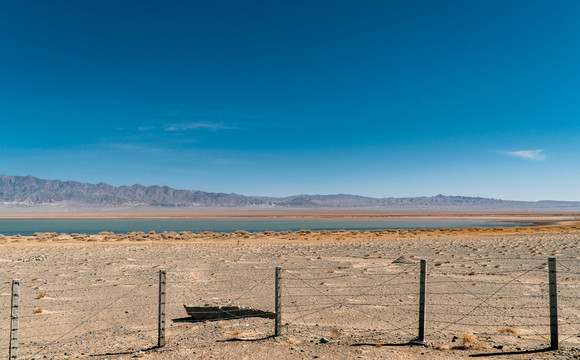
x=483 y=297
x=327 y=301
x=87 y=313
x=222 y=286
x=94 y=312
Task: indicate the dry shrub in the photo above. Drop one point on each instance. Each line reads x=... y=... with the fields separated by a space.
x=509 y=330
x=38 y=310
x=335 y=333
x=41 y=296
x=468 y=338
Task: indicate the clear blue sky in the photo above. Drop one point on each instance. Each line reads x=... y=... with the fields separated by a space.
x=378 y=98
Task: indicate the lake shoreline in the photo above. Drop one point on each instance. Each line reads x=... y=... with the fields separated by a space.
x=303 y=235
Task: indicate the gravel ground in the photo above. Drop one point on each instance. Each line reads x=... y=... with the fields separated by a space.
x=345 y=294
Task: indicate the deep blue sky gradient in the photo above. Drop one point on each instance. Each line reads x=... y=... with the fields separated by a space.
x=378 y=98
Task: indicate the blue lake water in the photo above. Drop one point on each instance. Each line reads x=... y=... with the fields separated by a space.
x=28 y=227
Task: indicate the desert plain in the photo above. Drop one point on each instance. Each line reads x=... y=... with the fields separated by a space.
x=344 y=294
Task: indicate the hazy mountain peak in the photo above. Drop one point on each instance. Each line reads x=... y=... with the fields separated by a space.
x=30 y=191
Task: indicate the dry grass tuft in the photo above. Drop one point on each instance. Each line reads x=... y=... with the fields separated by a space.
x=38 y=310
x=41 y=296
x=335 y=333
x=509 y=330
x=468 y=338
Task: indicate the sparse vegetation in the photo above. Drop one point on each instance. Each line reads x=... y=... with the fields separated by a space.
x=510 y=330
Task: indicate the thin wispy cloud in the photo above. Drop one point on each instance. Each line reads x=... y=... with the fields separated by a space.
x=206 y=125
x=527 y=154
x=134 y=147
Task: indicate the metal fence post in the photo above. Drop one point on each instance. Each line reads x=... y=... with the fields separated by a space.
x=162 y=293
x=421 y=337
x=553 y=304
x=278 y=300
x=13 y=352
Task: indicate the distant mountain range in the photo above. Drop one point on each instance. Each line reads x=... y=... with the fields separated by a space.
x=31 y=192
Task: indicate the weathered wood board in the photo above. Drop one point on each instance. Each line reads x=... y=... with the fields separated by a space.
x=225 y=312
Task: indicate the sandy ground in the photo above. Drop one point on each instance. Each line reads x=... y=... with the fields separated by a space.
x=96 y=296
